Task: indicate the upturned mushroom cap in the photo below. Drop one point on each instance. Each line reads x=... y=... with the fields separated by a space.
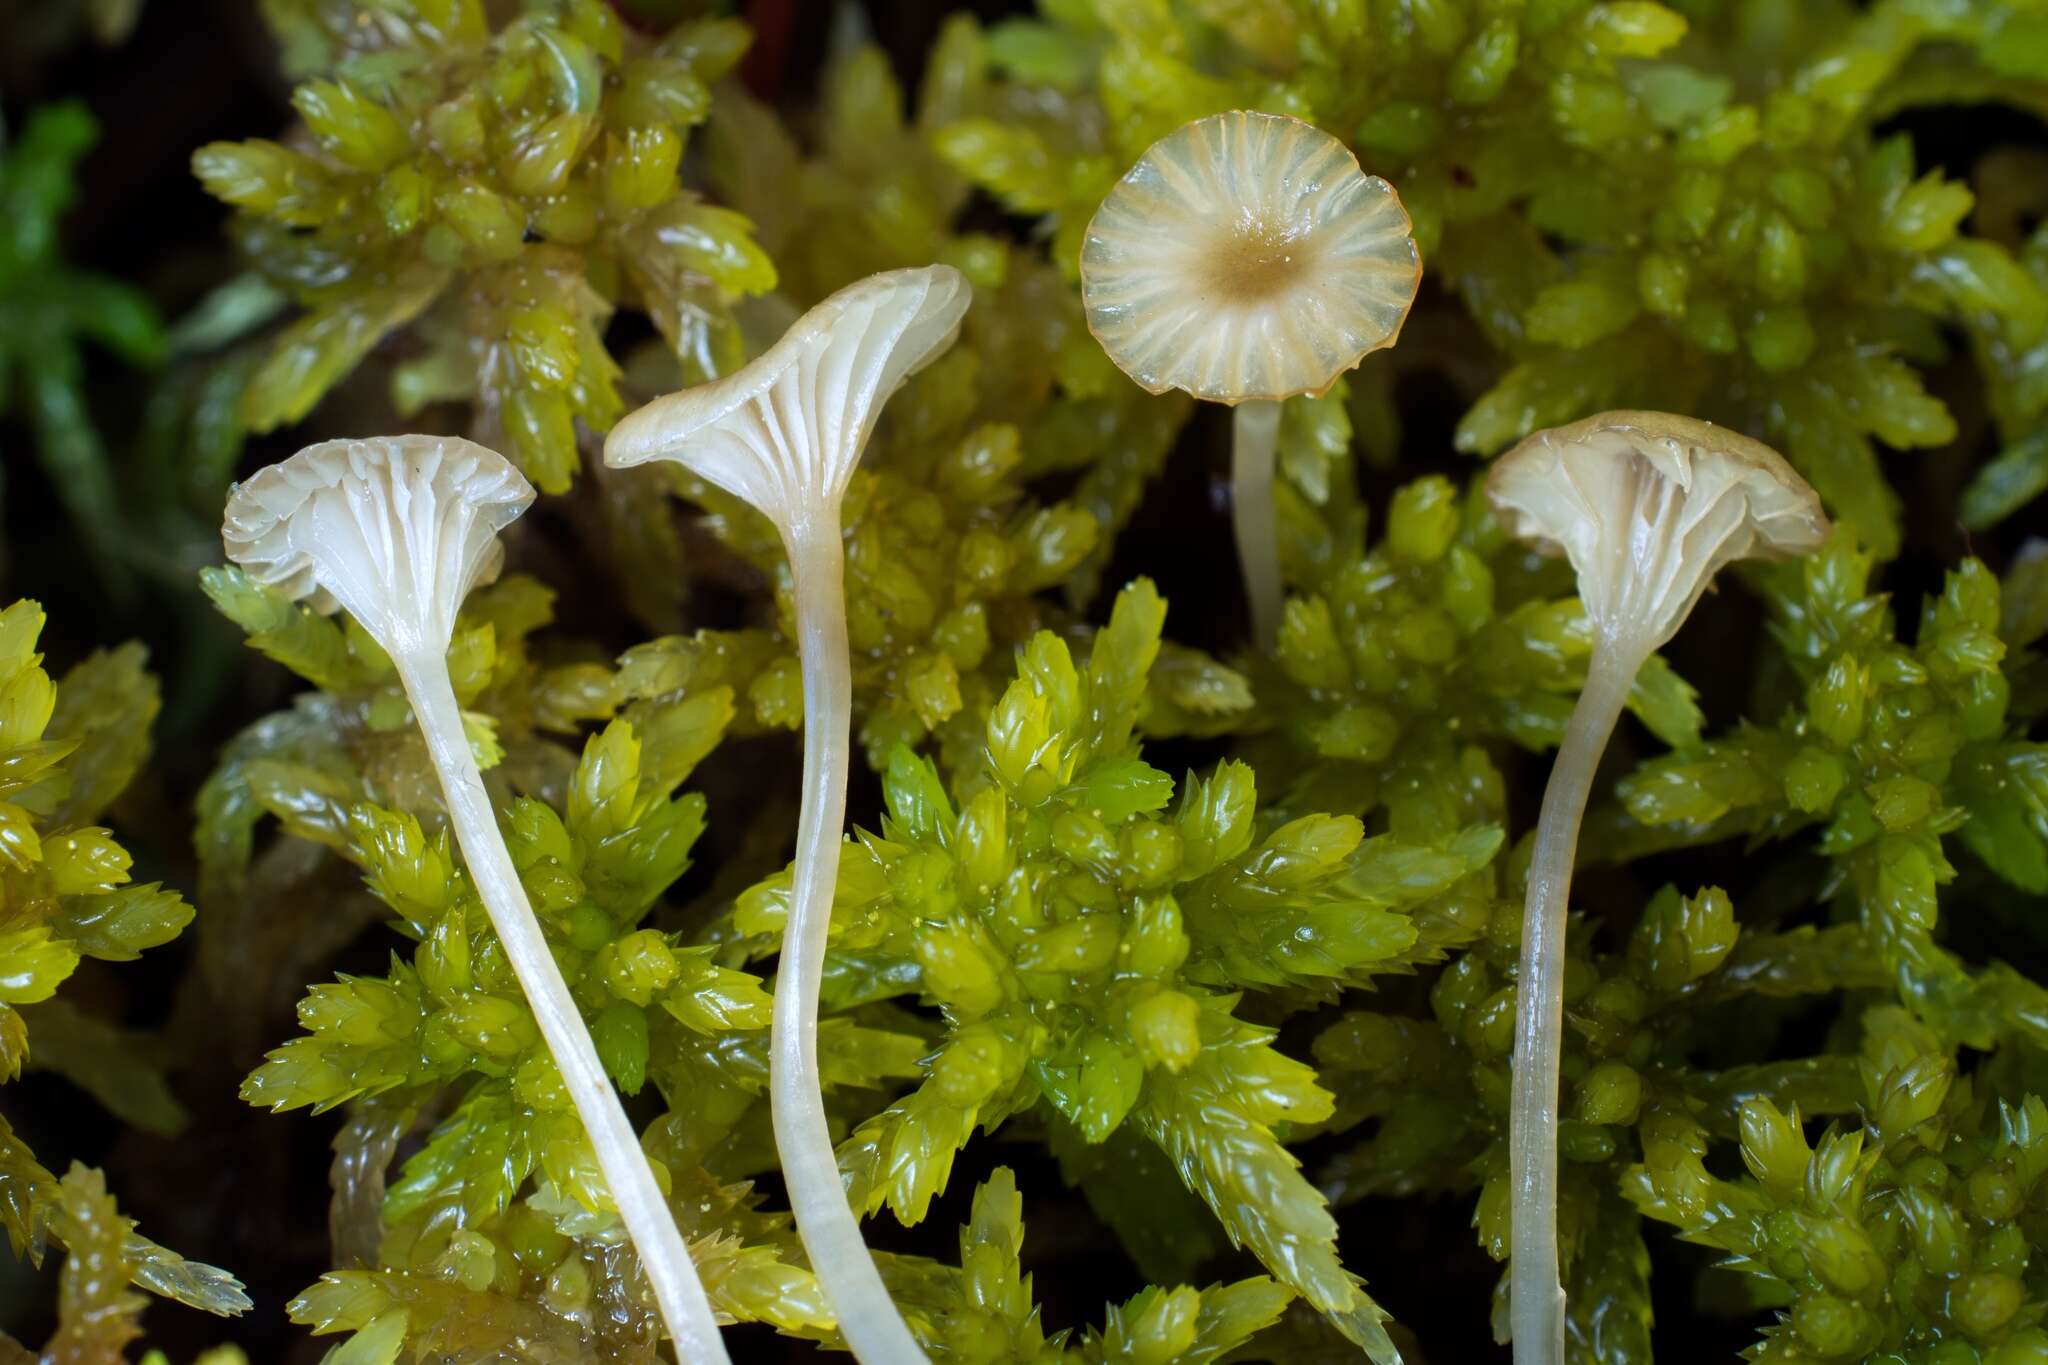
x=1247 y=256
x=1648 y=506
x=785 y=431
x=397 y=530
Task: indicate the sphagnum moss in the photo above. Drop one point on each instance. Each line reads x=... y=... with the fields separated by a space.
x=67 y=749
x=499 y=188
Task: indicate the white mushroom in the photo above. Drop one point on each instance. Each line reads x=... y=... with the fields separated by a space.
x=396 y=532
x=1246 y=259
x=784 y=433
x=1647 y=506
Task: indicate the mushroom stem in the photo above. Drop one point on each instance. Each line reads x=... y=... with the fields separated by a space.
x=641 y=1204
x=868 y=1321
x=1254 y=434
x=1535 y=1290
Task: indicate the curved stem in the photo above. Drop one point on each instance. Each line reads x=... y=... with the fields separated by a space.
x=684 y=1307
x=1254 y=433
x=1536 y=1293
x=868 y=1320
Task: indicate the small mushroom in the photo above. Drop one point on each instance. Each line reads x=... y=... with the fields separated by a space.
x=784 y=434
x=397 y=531
x=1648 y=507
x=1247 y=259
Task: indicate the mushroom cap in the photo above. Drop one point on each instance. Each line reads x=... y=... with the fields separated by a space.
x=1247 y=256
x=785 y=430
x=1648 y=506
x=397 y=529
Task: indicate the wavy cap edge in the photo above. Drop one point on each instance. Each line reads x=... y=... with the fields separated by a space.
x=1094 y=244
x=663 y=428
x=1793 y=524
x=255 y=524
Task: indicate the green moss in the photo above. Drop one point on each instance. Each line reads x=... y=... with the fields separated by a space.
x=1234 y=1004
x=48 y=311
x=425 y=167
x=1627 y=225
x=67 y=749
x=1047 y=934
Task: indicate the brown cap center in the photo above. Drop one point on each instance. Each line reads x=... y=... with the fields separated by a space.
x=1254 y=259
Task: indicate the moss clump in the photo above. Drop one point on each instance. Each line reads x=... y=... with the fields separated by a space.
x=498 y=188
x=67 y=749
x=1639 y=205
x=1205 y=951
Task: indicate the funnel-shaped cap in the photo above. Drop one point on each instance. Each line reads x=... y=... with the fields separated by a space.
x=1247 y=256
x=1648 y=506
x=397 y=530
x=785 y=431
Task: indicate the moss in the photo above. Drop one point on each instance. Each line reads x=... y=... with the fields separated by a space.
x=1227 y=939
x=67 y=749
x=48 y=311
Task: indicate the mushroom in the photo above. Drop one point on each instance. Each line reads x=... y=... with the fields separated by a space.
x=784 y=434
x=396 y=531
x=1247 y=259
x=1647 y=506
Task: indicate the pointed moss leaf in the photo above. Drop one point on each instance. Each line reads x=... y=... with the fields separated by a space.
x=903 y=1156
x=310 y=803
x=676 y=734
x=2000 y=488
x=13 y=1043
x=710 y=998
x=475 y=1161
x=1191 y=691
x=313 y=353
x=445 y=1316
x=97 y=1315
x=361 y=1040
x=195 y=1284
x=1215 y=817
x=2005 y=788
x=619 y=1033
x=1608 y=1304
x=858 y=1056
x=627 y=871
x=117 y=926
x=106 y=704
x=33 y=964
x=916 y=798
x=606 y=784
x=1666 y=703
x=405 y=868
x=1027 y=751
x=1120 y=665
x=1398 y=872
x=25 y=1191
x=340 y=1302
x=1094 y=1084
x=1214 y=1121
x=311 y=645
x=1115 y=790
x=1190 y=1325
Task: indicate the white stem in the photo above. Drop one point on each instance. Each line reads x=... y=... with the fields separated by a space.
x=1535 y=1292
x=873 y=1330
x=1254 y=433
x=641 y=1205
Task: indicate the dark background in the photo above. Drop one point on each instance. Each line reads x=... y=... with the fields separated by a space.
x=246 y=1190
